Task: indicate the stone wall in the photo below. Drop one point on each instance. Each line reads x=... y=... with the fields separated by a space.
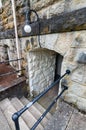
x=6 y=17
x=64 y=16
x=8 y=51
x=72 y=46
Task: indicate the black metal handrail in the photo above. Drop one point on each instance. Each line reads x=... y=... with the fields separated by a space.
x=12 y=72
x=15 y=116
x=48 y=109
x=10 y=60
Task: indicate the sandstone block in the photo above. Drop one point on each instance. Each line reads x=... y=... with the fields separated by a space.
x=9 y=25
x=79 y=74
x=54 y=9
x=81 y=58
x=74 y=4
x=77 y=101
x=37 y=5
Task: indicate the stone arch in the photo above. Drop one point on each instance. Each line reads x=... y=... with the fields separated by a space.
x=56 y=42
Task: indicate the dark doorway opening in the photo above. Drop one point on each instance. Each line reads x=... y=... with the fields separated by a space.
x=48 y=98
x=6 y=48
x=58 y=64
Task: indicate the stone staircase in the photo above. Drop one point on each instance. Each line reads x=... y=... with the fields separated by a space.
x=10 y=106
x=65 y=117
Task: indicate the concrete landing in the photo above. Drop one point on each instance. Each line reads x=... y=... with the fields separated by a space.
x=67 y=118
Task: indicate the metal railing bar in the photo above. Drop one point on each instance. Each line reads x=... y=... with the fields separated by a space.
x=41 y=94
x=49 y=108
x=9 y=73
x=10 y=60
x=20 y=112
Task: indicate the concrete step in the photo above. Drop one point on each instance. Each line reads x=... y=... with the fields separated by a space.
x=8 y=109
x=42 y=110
x=38 y=106
x=65 y=118
x=27 y=116
x=35 y=112
x=3 y=122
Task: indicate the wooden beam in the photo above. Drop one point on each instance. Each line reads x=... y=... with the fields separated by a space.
x=66 y=22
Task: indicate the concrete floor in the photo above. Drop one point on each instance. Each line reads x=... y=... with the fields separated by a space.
x=67 y=118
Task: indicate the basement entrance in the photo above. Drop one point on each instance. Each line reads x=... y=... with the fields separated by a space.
x=46 y=100
x=58 y=64
x=44 y=68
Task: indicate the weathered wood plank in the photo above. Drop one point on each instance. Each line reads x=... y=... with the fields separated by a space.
x=66 y=22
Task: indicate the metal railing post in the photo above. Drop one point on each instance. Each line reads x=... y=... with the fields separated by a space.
x=15 y=118
x=48 y=109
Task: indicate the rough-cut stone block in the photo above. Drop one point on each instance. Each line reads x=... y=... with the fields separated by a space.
x=71 y=5
x=82 y=58
x=79 y=74
x=54 y=9
x=37 y=5
x=78 y=90
x=79 y=102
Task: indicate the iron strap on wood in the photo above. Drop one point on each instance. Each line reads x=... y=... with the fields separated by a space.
x=15 y=116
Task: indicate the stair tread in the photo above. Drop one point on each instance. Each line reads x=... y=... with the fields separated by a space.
x=3 y=122
x=34 y=111
x=42 y=110
x=8 y=110
x=39 y=107
x=27 y=116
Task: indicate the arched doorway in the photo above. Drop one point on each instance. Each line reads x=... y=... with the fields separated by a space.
x=44 y=68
